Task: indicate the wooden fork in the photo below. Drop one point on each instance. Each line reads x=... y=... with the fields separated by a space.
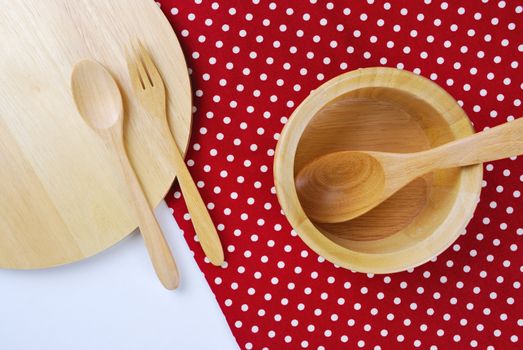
x=149 y=88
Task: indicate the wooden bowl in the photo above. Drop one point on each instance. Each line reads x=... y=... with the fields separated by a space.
x=380 y=109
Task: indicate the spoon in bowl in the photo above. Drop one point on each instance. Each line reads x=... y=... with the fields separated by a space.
x=98 y=100
x=343 y=185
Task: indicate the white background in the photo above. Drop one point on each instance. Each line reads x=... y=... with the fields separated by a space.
x=113 y=301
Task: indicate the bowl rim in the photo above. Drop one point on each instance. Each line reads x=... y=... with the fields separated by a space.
x=446 y=233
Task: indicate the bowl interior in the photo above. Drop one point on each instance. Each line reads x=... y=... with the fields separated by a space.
x=391 y=120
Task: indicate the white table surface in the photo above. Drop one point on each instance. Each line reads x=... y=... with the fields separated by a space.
x=113 y=301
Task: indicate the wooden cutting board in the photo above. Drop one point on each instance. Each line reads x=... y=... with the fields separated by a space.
x=62 y=197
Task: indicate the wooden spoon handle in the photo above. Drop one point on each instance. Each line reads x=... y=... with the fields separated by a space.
x=159 y=252
x=503 y=141
x=202 y=222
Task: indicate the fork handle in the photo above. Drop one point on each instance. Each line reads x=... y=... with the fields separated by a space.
x=202 y=222
x=157 y=247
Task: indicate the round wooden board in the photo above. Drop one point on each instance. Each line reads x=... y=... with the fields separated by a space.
x=62 y=197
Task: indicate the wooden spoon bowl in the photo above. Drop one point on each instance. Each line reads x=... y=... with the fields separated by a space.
x=389 y=110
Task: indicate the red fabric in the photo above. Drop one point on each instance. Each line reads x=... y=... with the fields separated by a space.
x=252 y=63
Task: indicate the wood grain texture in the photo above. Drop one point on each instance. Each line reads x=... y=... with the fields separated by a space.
x=149 y=88
x=341 y=186
x=63 y=198
x=398 y=211
x=99 y=102
x=380 y=109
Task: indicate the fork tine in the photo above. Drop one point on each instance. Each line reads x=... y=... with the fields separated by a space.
x=142 y=72
x=136 y=80
x=150 y=67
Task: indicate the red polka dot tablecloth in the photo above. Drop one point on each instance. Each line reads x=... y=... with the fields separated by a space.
x=251 y=64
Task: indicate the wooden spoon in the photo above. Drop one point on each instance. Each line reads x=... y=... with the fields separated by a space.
x=98 y=100
x=343 y=185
